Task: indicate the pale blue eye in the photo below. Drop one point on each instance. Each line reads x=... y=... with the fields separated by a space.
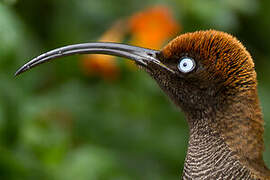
x=186 y=65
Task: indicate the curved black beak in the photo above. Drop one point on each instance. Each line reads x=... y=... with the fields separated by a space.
x=141 y=56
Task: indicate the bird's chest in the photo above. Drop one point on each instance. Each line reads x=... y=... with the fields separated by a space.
x=209 y=157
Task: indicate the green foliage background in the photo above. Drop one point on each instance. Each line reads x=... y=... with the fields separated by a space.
x=56 y=123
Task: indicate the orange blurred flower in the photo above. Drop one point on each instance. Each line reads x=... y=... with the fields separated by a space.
x=104 y=65
x=153 y=27
x=150 y=28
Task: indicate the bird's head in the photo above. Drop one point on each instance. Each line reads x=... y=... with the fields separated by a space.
x=197 y=70
x=209 y=67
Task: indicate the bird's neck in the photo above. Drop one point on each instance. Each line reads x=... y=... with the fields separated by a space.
x=227 y=142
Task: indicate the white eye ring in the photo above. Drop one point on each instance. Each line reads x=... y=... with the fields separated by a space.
x=186 y=65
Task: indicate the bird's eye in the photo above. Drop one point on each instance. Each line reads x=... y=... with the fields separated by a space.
x=186 y=65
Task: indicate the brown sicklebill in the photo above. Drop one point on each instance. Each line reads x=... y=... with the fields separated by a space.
x=211 y=77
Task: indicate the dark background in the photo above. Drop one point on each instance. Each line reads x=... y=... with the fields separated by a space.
x=58 y=123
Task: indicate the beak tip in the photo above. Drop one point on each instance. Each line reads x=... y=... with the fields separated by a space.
x=19 y=71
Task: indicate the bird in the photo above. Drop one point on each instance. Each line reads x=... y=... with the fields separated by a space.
x=210 y=76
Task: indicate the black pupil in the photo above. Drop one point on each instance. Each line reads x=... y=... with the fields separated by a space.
x=185 y=64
